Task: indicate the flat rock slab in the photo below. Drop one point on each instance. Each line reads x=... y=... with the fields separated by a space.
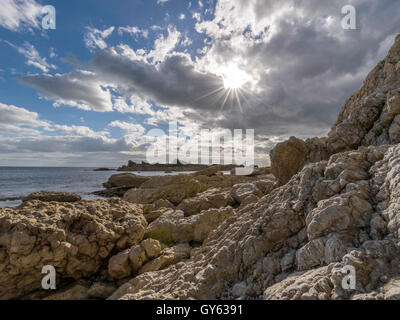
x=50 y=196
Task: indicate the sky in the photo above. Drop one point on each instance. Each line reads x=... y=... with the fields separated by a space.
x=89 y=92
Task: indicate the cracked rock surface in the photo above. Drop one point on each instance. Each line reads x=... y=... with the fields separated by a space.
x=75 y=238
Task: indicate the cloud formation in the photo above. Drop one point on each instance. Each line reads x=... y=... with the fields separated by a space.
x=33 y=57
x=95 y=38
x=80 y=88
x=134 y=31
x=300 y=66
x=17 y=15
x=164 y=45
x=15 y=120
x=173 y=82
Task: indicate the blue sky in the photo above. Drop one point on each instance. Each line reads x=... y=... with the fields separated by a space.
x=88 y=92
x=67 y=41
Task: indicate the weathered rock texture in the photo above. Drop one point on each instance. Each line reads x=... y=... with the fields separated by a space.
x=333 y=213
x=75 y=238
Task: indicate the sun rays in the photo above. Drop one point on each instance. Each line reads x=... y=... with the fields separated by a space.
x=233 y=91
x=234 y=79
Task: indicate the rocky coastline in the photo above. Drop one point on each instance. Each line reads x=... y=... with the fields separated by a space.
x=284 y=233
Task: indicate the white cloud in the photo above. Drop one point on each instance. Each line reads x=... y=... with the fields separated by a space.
x=197 y=16
x=155 y=28
x=164 y=45
x=20 y=116
x=79 y=131
x=16 y=120
x=186 y=41
x=32 y=56
x=94 y=38
x=134 y=31
x=166 y=115
x=16 y=15
x=161 y=1
x=137 y=105
x=53 y=53
x=131 y=128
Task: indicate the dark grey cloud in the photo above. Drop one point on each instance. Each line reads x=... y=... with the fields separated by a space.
x=172 y=82
x=79 y=88
x=307 y=64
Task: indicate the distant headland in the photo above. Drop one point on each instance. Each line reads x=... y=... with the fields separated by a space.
x=178 y=167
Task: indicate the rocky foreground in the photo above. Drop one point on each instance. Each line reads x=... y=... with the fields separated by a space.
x=329 y=203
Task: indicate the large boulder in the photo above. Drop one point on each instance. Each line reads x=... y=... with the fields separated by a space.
x=125 y=180
x=75 y=238
x=288 y=158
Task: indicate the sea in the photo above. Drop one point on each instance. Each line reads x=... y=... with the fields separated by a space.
x=16 y=182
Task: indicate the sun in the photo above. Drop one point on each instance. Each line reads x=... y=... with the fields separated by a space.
x=236 y=86
x=233 y=77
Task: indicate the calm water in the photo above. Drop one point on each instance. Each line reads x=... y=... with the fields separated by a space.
x=19 y=182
